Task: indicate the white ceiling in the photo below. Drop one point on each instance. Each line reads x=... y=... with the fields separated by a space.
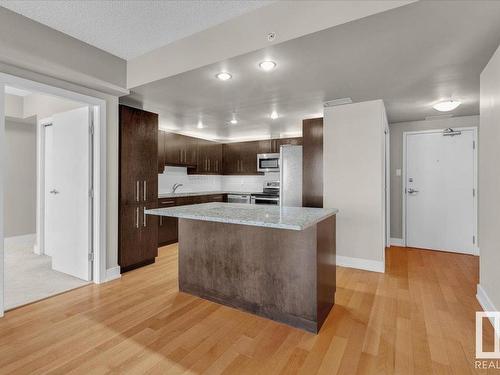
x=128 y=28
x=411 y=57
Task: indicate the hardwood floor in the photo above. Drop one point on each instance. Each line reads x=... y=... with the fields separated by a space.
x=417 y=318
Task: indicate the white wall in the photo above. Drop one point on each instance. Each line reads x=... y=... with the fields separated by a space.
x=14 y=106
x=44 y=106
x=354 y=181
x=20 y=178
x=489 y=184
x=397 y=130
x=32 y=46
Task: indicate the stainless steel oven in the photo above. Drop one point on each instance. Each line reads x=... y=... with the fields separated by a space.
x=270 y=194
x=268 y=162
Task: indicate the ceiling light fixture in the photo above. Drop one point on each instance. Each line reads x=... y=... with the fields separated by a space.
x=274 y=115
x=267 y=65
x=447 y=105
x=224 y=76
x=200 y=125
x=233 y=121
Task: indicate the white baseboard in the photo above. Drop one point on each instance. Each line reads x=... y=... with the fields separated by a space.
x=486 y=303
x=362 y=264
x=484 y=300
x=113 y=274
x=24 y=240
x=397 y=242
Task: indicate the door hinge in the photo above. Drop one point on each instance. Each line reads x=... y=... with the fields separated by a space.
x=91 y=193
x=91 y=257
x=91 y=127
x=474 y=239
x=473 y=145
x=473 y=192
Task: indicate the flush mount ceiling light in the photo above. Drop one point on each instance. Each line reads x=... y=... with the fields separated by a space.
x=274 y=115
x=200 y=125
x=233 y=121
x=224 y=76
x=446 y=106
x=267 y=65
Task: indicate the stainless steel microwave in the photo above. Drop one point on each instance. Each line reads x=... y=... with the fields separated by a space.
x=268 y=162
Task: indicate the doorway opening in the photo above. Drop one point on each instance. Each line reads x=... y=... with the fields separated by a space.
x=440 y=190
x=48 y=208
x=52 y=211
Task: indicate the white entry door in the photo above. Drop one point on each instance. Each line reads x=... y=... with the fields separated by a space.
x=440 y=191
x=67 y=204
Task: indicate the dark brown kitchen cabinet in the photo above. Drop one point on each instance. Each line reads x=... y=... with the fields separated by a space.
x=180 y=150
x=231 y=155
x=312 y=164
x=241 y=158
x=167 y=226
x=162 y=157
x=138 y=187
x=277 y=143
x=209 y=158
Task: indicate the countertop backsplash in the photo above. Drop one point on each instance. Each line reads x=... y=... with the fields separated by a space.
x=200 y=183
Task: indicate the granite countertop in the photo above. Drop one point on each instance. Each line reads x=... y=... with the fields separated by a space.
x=195 y=194
x=293 y=218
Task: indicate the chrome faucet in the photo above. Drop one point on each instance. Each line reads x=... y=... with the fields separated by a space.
x=175 y=187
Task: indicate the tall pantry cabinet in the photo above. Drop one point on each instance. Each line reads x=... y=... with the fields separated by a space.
x=138 y=190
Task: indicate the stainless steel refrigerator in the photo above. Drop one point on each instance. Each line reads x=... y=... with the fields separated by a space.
x=291 y=176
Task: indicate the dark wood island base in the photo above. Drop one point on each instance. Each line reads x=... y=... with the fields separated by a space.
x=284 y=275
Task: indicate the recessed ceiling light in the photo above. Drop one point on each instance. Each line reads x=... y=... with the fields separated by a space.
x=234 y=121
x=446 y=106
x=274 y=115
x=200 y=125
x=267 y=65
x=224 y=76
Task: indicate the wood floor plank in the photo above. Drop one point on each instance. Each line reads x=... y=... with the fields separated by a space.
x=417 y=318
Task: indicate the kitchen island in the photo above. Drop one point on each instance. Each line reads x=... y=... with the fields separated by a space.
x=270 y=261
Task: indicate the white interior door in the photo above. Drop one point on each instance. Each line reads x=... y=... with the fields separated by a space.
x=67 y=218
x=440 y=195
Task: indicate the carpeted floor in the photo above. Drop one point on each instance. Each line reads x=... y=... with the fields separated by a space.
x=29 y=277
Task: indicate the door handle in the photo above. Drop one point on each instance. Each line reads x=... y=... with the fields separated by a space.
x=145 y=187
x=144 y=216
x=137 y=190
x=412 y=191
x=54 y=191
x=137 y=217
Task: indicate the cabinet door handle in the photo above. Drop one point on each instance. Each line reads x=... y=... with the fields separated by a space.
x=145 y=190
x=137 y=190
x=209 y=164
x=137 y=217
x=144 y=216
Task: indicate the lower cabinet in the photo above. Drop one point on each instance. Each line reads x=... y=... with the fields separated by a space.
x=138 y=236
x=168 y=226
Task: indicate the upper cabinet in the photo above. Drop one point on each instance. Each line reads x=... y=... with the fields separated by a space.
x=277 y=143
x=162 y=157
x=207 y=157
x=180 y=150
x=241 y=158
